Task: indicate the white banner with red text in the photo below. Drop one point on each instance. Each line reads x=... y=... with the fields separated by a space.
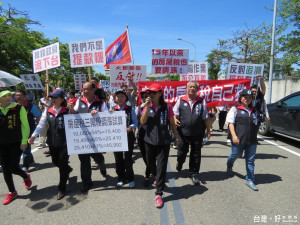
x=215 y=92
x=45 y=58
x=103 y=132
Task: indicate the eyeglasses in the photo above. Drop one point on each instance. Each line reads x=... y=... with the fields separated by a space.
x=144 y=96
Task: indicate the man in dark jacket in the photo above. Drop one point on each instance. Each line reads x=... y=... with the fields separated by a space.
x=191 y=119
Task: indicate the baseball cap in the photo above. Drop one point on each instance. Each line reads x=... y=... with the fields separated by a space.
x=2 y=93
x=155 y=87
x=246 y=92
x=57 y=93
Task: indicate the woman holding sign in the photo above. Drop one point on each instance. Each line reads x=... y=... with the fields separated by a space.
x=157 y=115
x=56 y=137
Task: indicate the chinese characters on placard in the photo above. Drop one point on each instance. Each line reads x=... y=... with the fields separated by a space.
x=104 y=132
x=46 y=58
x=196 y=71
x=32 y=81
x=244 y=71
x=87 y=53
x=119 y=73
x=170 y=61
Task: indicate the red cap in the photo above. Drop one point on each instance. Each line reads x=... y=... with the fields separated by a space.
x=155 y=87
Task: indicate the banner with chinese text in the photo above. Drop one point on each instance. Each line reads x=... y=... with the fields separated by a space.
x=32 y=81
x=45 y=58
x=103 y=132
x=118 y=75
x=87 y=53
x=215 y=92
x=245 y=71
x=196 y=71
x=170 y=61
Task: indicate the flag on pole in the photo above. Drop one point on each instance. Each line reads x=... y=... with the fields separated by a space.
x=119 y=52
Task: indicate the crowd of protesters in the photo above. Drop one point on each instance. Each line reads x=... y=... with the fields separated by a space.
x=150 y=123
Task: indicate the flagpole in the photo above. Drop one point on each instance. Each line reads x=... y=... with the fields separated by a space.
x=129 y=44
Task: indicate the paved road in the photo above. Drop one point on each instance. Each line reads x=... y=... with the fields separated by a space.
x=218 y=200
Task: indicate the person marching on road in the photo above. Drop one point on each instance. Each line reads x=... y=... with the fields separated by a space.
x=32 y=112
x=56 y=137
x=243 y=125
x=14 y=132
x=89 y=103
x=191 y=119
x=157 y=115
x=124 y=162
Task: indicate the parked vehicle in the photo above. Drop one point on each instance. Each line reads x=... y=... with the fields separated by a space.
x=284 y=117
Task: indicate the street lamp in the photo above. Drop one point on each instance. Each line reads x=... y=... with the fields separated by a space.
x=180 y=39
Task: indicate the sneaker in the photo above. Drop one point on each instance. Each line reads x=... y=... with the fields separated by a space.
x=251 y=185
x=120 y=184
x=27 y=182
x=10 y=197
x=159 y=203
x=195 y=180
x=131 y=184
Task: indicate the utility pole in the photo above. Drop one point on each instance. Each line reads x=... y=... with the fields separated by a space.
x=272 y=54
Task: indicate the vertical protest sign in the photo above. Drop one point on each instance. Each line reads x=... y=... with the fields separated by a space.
x=79 y=80
x=196 y=71
x=32 y=81
x=170 y=61
x=87 y=53
x=118 y=75
x=244 y=71
x=46 y=58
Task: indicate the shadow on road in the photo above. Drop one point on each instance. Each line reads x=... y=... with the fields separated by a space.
x=44 y=199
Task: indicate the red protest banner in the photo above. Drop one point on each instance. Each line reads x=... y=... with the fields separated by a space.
x=215 y=92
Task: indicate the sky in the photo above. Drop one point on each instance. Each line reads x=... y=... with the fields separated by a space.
x=152 y=23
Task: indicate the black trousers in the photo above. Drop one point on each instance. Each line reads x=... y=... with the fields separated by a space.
x=60 y=158
x=157 y=158
x=142 y=147
x=222 y=119
x=124 y=162
x=86 y=168
x=195 y=154
x=10 y=156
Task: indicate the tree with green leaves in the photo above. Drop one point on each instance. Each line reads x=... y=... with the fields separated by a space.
x=17 y=40
x=289 y=12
